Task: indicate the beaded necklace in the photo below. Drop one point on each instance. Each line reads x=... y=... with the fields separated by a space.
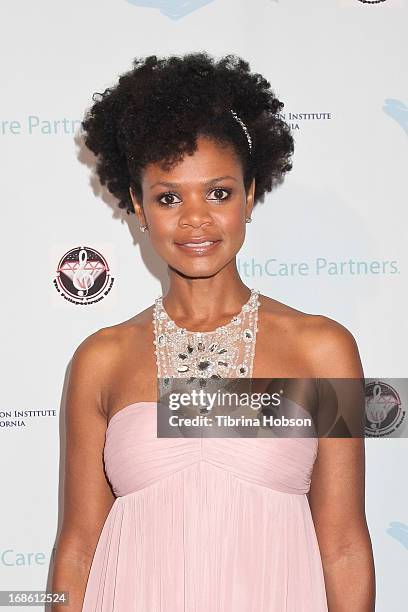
x=228 y=351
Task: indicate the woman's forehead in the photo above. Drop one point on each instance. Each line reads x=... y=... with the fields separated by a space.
x=211 y=160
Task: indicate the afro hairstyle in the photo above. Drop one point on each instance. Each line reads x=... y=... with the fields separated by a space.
x=156 y=111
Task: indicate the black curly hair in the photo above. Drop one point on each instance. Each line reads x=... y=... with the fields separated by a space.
x=157 y=109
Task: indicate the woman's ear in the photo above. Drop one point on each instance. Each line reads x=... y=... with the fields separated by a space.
x=137 y=207
x=250 y=199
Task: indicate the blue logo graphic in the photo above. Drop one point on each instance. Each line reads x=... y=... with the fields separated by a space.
x=399 y=531
x=398 y=111
x=175 y=9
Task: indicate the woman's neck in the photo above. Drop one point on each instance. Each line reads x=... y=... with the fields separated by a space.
x=212 y=301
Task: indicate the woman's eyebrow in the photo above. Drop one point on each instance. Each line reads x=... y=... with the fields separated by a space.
x=210 y=182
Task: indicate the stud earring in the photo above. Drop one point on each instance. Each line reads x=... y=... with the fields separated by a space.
x=143 y=228
x=248 y=220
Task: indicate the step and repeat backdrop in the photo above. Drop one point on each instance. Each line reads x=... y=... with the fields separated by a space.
x=331 y=240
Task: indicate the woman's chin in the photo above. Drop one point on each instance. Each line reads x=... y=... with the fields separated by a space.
x=198 y=270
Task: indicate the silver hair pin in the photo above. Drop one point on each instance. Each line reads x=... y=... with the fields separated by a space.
x=244 y=127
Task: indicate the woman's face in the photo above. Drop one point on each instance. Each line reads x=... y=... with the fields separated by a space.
x=202 y=199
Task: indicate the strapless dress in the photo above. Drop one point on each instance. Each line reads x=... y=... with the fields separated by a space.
x=205 y=524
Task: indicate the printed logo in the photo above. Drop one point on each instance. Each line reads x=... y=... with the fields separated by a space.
x=22 y=559
x=398 y=111
x=83 y=276
x=175 y=9
x=383 y=408
x=295 y=120
x=319 y=267
x=390 y=4
x=399 y=531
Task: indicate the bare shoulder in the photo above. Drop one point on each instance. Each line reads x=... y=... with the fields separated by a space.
x=106 y=344
x=333 y=349
x=137 y=324
x=90 y=372
x=328 y=346
x=97 y=351
x=117 y=361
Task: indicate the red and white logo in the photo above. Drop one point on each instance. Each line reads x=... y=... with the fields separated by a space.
x=83 y=276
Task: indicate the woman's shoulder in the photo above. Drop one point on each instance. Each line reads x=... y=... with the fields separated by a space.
x=328 y=344
x=108 y=342
x=279 y=312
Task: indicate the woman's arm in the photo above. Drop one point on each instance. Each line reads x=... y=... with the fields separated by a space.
x=337 y=492
x=87 y=495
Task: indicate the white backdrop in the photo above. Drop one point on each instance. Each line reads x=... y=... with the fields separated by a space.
x=341 y=66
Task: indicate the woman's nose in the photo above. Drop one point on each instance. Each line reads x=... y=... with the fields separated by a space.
x=195 y=211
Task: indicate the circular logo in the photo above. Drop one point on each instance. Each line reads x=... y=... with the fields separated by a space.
x=83 y=276
x=384 y=412
x=371 y=1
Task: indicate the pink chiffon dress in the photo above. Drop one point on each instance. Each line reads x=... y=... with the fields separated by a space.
x=205 y=524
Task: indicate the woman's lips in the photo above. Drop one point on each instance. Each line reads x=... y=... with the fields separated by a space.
x=197 y=248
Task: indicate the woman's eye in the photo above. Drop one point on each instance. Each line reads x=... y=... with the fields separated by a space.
x=169 y=199
x=220 y=194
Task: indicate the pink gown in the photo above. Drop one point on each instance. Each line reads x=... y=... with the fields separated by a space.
x=205 y=524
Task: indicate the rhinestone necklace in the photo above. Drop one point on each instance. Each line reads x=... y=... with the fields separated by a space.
x=228 y=351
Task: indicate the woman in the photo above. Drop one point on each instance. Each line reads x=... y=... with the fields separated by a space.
x=190 y=145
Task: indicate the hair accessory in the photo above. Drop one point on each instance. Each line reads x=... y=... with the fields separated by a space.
x=244 y=127
x=143 y=228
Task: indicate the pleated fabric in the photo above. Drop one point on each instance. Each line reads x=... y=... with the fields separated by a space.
x=205 y=524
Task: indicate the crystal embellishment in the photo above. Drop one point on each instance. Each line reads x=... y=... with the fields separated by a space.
x=227 y=351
